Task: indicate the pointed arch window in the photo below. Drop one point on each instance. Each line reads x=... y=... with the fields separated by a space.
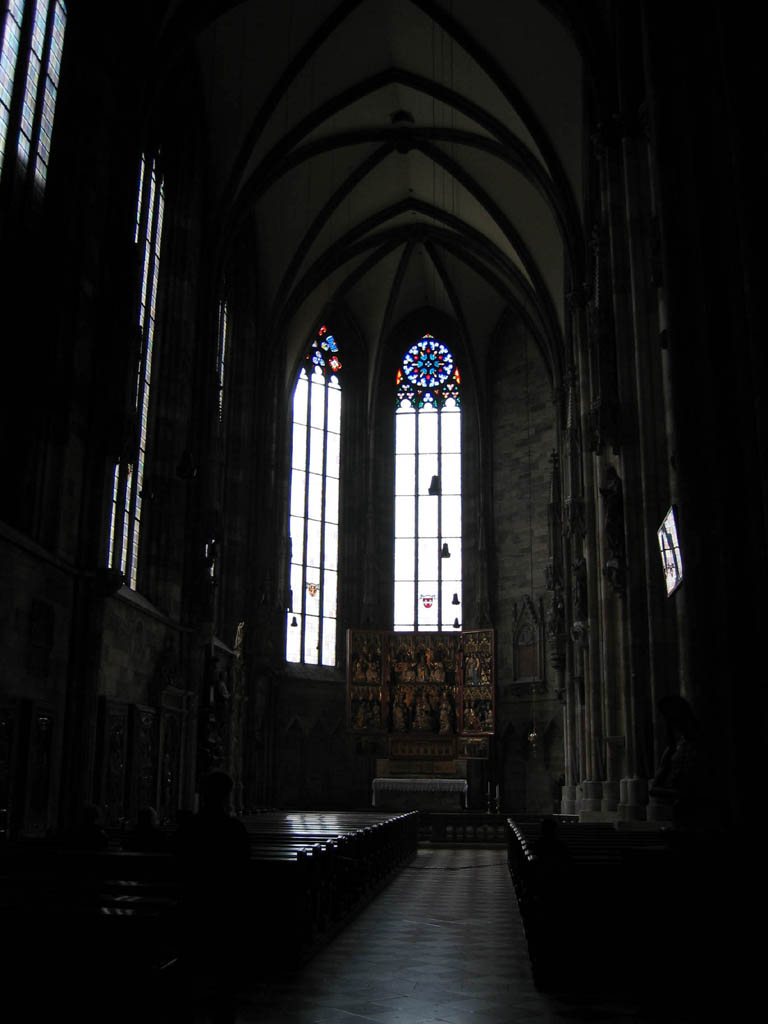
x=222 y=344
x=428 y=549
x=29 y=84
x=314 y=505
x=128 y=475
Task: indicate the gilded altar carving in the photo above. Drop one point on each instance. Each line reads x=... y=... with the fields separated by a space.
x=365 y=661
x=421 y=687
x=478 y=688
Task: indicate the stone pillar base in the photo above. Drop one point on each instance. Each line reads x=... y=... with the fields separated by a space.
x=597 y=816
x=569 y=800
x=610 y=800
x=633 y=799
x=592 y=798
x=659 y=811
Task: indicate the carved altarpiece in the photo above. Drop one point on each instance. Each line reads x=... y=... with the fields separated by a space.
x=431 y=694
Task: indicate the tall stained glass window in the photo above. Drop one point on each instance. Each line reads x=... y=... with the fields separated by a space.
x=30 y=60
x=428 y=555
x=314 y=505
x=221 y=354
x=128 y=476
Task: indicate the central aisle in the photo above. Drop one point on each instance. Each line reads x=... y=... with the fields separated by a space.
x=442 y=943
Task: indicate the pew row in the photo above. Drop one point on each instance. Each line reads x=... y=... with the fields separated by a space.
x=643 y=912
x=105 y=921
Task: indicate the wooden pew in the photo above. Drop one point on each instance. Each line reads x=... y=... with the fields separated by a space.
x=643 y=911
x=109 y=915
x=595 y=915
x=359 y=852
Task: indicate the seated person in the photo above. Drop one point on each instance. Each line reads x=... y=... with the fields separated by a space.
x=212 y=850
x=146 y=837
x=684 y=779
x=85 y=833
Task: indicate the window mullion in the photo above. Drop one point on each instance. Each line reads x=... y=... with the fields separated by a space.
x=428 y=369
x=118 y=507
x=39 y=101
x=415 y=612
x=321 y=483
x=130 y=568
x=18 y=84
x=321 y=591
x=305 y=559
x=125 y=515
x=439 y=523
x=146 y=300
x=146 y=206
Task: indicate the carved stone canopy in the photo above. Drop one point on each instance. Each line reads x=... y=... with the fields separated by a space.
x=574 y=524
x=604 y=424
x=528 y=640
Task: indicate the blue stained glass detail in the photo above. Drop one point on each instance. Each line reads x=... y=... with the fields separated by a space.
x=428 y=376
x=320 y=349
x=428 y=363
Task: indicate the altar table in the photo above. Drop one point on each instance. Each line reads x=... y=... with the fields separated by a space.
x=420 y=794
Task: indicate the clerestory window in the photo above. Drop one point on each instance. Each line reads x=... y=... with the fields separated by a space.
x=314 y=505
x=128 y=475
x=222 y=343
x=428 y=550
x=30 y=62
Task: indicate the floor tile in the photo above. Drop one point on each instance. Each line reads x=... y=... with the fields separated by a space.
x=442 y=944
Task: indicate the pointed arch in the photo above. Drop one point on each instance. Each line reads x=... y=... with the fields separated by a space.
x=428 y=535
x=311 y=623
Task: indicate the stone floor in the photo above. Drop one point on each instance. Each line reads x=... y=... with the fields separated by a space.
x=442 y=943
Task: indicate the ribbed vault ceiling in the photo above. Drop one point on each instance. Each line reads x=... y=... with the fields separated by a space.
x=395 y=154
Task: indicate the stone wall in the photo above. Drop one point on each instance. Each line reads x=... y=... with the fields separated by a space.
x=35 y=628
x=523 y=437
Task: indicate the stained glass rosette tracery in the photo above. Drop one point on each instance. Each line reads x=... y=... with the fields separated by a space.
x=324 y=353
x=427 y=511
x=428 y=376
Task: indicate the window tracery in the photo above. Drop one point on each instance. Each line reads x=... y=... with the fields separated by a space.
x=428 y=535
x=314 y=505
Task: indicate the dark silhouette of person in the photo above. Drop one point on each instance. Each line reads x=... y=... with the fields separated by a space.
x=146 y=837
x=212 y=850
x=706 y=938
x=183 y=817
x=85 y=832
x=683 y=778
x=551 y=893
x=552 y=861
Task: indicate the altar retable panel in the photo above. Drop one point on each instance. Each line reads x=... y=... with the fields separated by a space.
x=433 y=694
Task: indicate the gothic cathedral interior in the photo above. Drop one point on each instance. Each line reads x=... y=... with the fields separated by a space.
x=367 y=412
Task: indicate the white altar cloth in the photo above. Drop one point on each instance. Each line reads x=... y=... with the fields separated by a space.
x=420 y=786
